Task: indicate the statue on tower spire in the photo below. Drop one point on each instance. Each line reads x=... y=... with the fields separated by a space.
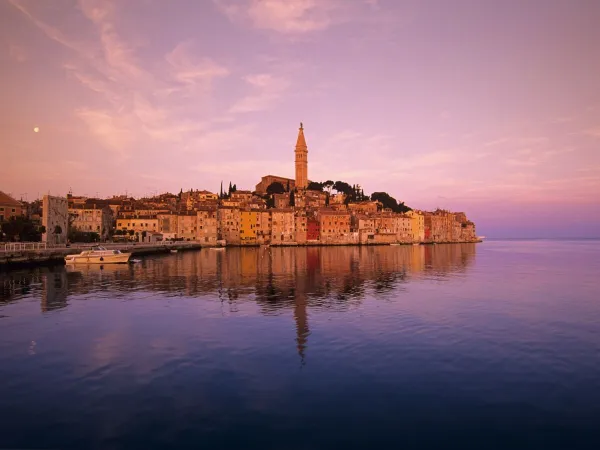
x=301 y=127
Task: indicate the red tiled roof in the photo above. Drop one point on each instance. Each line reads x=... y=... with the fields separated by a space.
x=8 y=200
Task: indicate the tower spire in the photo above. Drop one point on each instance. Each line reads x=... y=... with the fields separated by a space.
x=301 y=152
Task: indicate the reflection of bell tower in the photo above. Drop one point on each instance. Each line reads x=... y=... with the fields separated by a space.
x=301 y=319
x=301 y=160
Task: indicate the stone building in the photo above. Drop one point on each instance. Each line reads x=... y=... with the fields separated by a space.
x=228 y=220
x=364 y=225
x=300 y=227
x=266 y=181
x=313 y=229
x=282 y=200
x=335 y=227
x=167 y=225
x=187 y=225
x=206 y=230
x=283 y=226
x=417 y=225
x=92 y=220
x=366 y=207
x=138 y=225
x=55 y=218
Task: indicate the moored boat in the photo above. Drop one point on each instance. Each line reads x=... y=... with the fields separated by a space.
x=98 y=255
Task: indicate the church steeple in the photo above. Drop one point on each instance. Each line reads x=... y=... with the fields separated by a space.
x=301 y=160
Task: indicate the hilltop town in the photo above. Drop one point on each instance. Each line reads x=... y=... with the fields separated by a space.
x=279 y=211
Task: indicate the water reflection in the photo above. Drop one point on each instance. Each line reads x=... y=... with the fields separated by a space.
x=277 y=279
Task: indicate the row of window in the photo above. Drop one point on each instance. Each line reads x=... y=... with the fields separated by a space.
x=12 y=210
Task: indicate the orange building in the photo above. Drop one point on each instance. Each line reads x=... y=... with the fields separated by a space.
x=9 y=207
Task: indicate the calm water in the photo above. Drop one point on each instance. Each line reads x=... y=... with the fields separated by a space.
x=495 y=345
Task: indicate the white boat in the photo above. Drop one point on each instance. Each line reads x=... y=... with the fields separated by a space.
x=217 y=248
x=98 y=255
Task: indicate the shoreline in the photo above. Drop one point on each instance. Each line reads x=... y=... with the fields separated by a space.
x=56 y=256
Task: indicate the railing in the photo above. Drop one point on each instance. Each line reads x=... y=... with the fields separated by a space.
x=36 y=246
x=23 y=246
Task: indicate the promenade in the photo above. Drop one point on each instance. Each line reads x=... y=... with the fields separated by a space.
x=37 y=253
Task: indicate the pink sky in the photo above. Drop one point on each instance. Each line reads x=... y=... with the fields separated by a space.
x=477 y=105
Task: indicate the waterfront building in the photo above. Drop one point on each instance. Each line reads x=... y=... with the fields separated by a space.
x=263 y=229
x=249 y=225
x=206 y=218
x=187 y=225
x=228 y=220
x=417 y=225
x=137 y=227
x=283 y=225
x=92 y=219
x=386 y=228
x=167 y=225
x=313 y=229
x=300 y=226
x=55 y=218
x=364 y=225
x=335 y=227
x=9 y=207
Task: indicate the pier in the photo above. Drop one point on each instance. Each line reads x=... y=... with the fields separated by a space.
x=38 y=253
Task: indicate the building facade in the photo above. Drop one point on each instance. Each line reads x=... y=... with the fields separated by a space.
x=55 y=218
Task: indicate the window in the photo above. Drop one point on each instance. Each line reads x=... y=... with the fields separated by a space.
x=14 y=210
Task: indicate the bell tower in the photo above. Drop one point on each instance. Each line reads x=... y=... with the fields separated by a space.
x=301 y=160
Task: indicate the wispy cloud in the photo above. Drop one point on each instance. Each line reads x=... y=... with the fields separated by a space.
x=283 y=16
x=193 y=72
x=266 y=89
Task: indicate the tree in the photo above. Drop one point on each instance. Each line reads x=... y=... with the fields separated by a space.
x=341 y=186
x=292 y=199
x=131 y=232
x=288 y=186
x=328 y=185
x=275 y=188
x=57 y=229
x=230 y=189
x=22 y=229
x=314 y=186
x=389 y=202
x=234 y=188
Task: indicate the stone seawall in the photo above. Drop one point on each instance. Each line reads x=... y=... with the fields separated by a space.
x=56 y=256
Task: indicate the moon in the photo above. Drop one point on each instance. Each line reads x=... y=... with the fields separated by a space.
x=36 y=130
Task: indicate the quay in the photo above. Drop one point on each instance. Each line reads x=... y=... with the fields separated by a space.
x=39 y=254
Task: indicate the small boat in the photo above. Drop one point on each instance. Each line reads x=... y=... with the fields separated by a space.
x=395 y=244
x=98 y=255
x=416 y=243
x=217 y=248
x=174 y=250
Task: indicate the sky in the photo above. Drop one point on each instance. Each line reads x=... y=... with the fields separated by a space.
x=487 y=107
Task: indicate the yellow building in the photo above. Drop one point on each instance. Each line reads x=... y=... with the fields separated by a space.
x=249 y=225
x=417 y=225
